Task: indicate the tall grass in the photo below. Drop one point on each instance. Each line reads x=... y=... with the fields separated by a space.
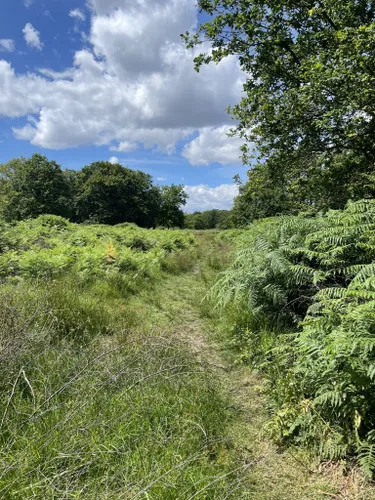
x=94 y=403
x=112 y=420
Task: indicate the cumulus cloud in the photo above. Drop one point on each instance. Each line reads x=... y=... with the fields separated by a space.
x=161 y=179
x=77 y=14
x=214 y=146
x=7 y=45
x=32 y=37
x=203 y=197
x=114 y=160
x=136 y=85
x=124 y=147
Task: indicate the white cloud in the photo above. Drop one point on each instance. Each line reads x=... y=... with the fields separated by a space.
x=77 y=14
x=7 y=45
x=57 y=75
x=214 y=146
x=124 y=147
x=28 y=3
x=32 y=37
x=114 y=160
x=136 y=85
x=203 y=197
x=161 y=179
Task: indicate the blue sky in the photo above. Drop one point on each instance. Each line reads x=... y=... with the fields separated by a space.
x=110 y=80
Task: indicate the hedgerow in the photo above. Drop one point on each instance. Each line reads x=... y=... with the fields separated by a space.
x=301 y=293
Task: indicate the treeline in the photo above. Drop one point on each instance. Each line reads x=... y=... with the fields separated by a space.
x=209 y=219
x=291 y=188
x=102 y=192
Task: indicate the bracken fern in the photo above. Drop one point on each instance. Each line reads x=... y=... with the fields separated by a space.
x=307 y=284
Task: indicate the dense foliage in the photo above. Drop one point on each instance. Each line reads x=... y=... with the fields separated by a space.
x=169 y=209
x=308 y=104
x=301 y=293
x=50 y=246
x=102 y=193
x=32 y=187
x=209 y=219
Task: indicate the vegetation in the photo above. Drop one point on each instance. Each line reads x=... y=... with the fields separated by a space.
x=300 y=294
x=209 y=219
x=301 y=297
x=307 y=114
x=32 y=187
x=96 y=400
x=101 y=193
x=50 y=246
x=111 y=380
x=111 y=392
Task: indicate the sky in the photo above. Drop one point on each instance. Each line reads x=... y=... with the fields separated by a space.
x=89 y=80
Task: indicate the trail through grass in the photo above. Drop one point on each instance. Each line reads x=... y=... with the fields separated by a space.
x=154 y=407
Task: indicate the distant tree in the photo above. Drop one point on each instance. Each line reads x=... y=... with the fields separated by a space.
x=191 y=221
x=225 y=220
x=300 y=184
x=73 y=179
x=32 y=187
x=209 y=219
x=111 y=194
x=173 y=198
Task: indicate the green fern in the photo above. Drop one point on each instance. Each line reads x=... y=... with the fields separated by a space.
x=308 y=287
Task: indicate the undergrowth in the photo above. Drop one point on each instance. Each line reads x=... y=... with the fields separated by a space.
x=300 y=301
x=94 y=401
x=130 y=418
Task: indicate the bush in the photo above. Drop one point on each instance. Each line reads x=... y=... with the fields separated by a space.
x=302 y=295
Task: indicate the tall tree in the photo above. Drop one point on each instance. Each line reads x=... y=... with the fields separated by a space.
x=111 y=194
x=310 y=87
x=32 y=187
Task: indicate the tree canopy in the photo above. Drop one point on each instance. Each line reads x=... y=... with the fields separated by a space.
x=112 y=194
x=32 y=187
x=172 y=199
x=101 y=192
x=209 y=219
x=309 y=97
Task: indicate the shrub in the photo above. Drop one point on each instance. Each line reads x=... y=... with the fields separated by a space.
x=302 y=292
x=50 y=246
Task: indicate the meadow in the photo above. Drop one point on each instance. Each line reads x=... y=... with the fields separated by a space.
x=96 y=401
x=134 y=365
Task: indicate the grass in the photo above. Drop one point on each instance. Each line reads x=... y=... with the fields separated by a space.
x=111 y=394
x=112 y=422
x=100 y=398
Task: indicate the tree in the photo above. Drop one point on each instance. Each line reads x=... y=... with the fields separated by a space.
x=309 y=96
x=209 y=219
x=32 y=187
x=173 y=198
x=112 y=194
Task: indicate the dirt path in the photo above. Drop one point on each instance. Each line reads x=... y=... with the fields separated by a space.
x=272 y=473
